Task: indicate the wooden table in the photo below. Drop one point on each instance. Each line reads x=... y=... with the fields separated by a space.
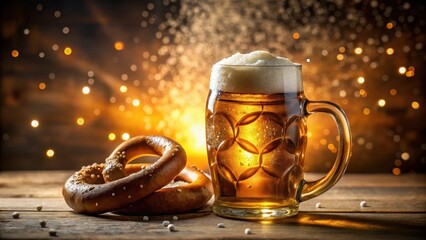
x=396 y=210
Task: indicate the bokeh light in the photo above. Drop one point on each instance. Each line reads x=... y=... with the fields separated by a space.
x=111 y=136
x=67 y=51
x=50 y=153
x=147 y=72
x=34 y=123
x=80 y=121
x=119 y=46
x=14 y=53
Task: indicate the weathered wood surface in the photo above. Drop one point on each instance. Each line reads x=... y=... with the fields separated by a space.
x=396 y=210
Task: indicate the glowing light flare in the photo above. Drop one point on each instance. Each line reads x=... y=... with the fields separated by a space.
x=409 y=73
x=42 y=86
x=296 y=35
x=340 y=57
x=393 y=92
x=198 y=134
x=396 y=171
x=389 y=25
x=15 y=53
x=363 y=92
x=405 y=156
x=358 y=51
x=402 y=70
x=381 y=102
x=123 y=89
x=34 y=123
x=67 y=51
x=119 y=45
x=389 y=51
x=136 y=102
x=80 y=121
x=50 y=153
x=85 y=90
x=111 y=136
x=125 y=136
x=360 y=80
x=415 y=105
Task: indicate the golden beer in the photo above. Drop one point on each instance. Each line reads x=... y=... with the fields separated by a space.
x=256 y=143
x=256 y=137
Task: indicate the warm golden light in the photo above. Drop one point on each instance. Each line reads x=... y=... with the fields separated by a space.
x=402 y=70
x=111 y=136
x=381 y=102
x=15 y=53
x=363 y=93
x=361 y=80
x=389 y=25
x=85 y=90
x=296 y=35
x=119 y=46
x=123 y=89
x=358 y=50
x=415 y=105
x=405 y=156
x=366 y=111
x=125 y=136
x=136 y=102
x=396 y=171
x=42 y=86
x=34 y=123
x=409 y=73
x=50 y=153
x=342 y=49
x=393 y=92
x=80 y=121
x=340 y=57
x=67 y=51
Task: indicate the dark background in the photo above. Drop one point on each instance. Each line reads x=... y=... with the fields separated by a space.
x=147 y=65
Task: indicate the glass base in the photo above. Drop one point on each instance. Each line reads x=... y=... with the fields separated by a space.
x=254 y=213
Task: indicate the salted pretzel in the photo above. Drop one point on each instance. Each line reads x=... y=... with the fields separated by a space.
x=112 y=186
x=191 y=189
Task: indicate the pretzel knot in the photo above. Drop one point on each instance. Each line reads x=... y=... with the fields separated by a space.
x=163 y=187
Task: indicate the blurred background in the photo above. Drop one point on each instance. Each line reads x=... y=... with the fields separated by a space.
x=79 y=77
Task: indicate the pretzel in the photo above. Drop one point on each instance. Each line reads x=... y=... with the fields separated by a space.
x=101 y=188
x=191 y=189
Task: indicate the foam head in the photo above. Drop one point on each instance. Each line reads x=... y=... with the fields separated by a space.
x=256 y=72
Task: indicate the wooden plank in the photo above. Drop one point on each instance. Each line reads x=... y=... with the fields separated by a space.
x=304 y=226
x=396 y=210
x=392 y=205
x=48 y=184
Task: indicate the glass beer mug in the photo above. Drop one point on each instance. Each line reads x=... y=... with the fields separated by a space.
x=256 y=139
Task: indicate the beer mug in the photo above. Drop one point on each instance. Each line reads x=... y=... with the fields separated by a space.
x=256 y=139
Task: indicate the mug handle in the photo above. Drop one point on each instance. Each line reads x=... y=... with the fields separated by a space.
x=311 y=189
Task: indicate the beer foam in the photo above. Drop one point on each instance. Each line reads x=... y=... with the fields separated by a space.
x=256 y=72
